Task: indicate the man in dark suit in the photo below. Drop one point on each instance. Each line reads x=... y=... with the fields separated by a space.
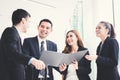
x=31 y=46
x=11 y=55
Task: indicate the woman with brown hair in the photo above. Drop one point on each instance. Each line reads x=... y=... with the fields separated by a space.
x=77 y=70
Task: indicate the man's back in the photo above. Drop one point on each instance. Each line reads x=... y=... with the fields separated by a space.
x=8 y=49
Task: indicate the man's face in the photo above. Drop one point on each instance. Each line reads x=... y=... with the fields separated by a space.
x=44 y=29
x=26 y=24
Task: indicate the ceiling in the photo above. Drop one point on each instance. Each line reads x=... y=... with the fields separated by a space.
x=53 y=9
x=7 y=6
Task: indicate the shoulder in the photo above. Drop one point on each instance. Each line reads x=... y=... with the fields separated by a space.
x=51 y=42
x=9 y=30
x=81 y=48
x=111 y=43
x=30 y=38
x=111 y=40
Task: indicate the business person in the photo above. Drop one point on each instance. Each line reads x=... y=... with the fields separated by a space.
x=12 y=59
x=77 y=70
x=31 y=46
x=107 y=52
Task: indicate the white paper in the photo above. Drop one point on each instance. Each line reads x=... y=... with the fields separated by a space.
x=55 y=58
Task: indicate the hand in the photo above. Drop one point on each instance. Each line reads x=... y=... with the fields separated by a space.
x=75 y=64
x=38 y=64
x=62 y=67
x=91 y=57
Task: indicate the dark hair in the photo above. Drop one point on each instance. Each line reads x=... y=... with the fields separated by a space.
x=110 y=27
x=18 y=15
x=80 y=44
x=46 y=20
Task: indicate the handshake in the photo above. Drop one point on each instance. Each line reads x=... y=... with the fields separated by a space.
x=38 y=64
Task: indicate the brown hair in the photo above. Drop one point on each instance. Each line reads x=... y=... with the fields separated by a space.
x=67 y=48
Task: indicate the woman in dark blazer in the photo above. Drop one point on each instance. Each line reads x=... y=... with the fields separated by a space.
x=81 y=68
x=107 y=53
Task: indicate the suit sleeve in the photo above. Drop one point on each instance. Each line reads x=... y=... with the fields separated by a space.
x=12 y=48
x=84 y=66
x=109 y=57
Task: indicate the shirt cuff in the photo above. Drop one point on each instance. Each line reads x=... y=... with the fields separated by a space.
x=30 y=61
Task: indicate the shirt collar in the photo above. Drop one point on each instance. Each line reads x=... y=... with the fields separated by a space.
x=20 y=34
x=40 y=40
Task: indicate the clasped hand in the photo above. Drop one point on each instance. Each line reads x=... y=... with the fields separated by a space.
x=38 y=64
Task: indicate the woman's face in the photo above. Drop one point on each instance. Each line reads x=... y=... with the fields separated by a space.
x=71 y=39
x=101 y=30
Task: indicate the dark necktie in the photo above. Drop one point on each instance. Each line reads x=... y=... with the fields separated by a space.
x=42 y=72
x=42 y=46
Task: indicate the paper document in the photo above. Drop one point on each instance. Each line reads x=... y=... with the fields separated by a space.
x=55 y=58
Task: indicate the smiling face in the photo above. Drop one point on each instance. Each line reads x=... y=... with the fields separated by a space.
x=44 y=29
x=101 y=30
x=71 y=39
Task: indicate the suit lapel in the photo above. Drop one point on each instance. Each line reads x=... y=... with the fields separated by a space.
x=36 y=46
x=18 y=38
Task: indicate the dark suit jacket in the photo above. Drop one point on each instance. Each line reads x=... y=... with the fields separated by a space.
x=108 y=60
x=11 y=56
x=31 y=47
x=84 y=68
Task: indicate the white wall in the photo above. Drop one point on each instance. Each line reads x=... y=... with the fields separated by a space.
x=94 y=12
x=60 y=13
